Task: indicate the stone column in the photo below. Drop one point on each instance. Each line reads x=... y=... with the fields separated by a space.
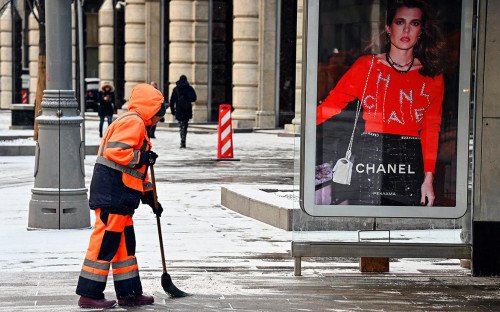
x=106 y=56
x=6 y=58
x=153 y=41
x=294 y=127
x=135 y=47
x=33 y=41
x=485 y=210
x=266 y=114
x=199 y=79
x=59 y=197
x=245 y=62
x=188 y=50
x=181 y=39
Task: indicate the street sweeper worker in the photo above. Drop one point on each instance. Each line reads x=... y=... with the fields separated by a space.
x=119 y=182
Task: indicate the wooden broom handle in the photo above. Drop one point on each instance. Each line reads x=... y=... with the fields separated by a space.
x=158 y=224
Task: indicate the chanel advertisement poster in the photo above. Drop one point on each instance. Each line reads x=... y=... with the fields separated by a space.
x=386 y=108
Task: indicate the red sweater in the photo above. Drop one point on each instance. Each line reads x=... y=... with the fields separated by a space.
x=404 y=104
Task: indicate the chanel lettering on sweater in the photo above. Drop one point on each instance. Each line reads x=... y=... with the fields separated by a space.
x=403 y=104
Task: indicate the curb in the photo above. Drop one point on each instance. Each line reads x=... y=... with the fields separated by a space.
x=262 y=203
x=29 y=150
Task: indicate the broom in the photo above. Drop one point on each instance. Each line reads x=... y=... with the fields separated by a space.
x=166 y=280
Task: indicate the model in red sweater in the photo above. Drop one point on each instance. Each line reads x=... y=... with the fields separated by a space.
x=405 y=104
x=403 y=88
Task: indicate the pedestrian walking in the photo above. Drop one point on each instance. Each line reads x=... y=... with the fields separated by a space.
x=119 y=182
x=106 y=104
x=180 y=105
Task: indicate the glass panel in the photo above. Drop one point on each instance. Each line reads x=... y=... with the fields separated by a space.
x=379 y=124
x=340 y=37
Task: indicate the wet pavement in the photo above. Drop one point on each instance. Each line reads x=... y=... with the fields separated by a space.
x=265 y=289
x=228 y=262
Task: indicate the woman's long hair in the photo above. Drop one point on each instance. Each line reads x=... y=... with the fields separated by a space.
x=430 y=47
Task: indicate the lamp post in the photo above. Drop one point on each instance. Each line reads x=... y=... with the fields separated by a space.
x=81 y=80
x=59 y=197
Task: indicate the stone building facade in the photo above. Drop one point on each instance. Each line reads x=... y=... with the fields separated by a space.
x=228 y=49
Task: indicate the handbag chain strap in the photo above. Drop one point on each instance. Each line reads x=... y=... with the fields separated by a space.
x=358 y=110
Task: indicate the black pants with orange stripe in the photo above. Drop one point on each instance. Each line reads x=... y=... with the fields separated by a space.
x=112 y=244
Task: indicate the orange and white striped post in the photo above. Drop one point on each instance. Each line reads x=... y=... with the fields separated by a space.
x=24 y=96
x=225 y=137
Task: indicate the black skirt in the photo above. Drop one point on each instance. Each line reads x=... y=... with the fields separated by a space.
x=388 y=170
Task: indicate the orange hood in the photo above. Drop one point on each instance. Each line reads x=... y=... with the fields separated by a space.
x=145 y=100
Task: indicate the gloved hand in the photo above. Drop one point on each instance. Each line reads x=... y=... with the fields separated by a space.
x=148 y=199
x=158 y=211
x=148 y=158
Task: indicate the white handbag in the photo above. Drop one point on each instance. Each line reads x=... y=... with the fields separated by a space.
x=342 y=171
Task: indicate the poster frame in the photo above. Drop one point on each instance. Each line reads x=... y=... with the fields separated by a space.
x=308 y=130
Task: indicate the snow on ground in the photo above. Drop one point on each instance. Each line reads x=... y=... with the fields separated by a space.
x=199 y=234
x=195 y=226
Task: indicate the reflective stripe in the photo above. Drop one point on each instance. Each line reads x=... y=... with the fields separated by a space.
x=147 y=186
x=134 y=160
x=118 y=145
x=111 y=164
x=126 y=275
x=124 y=263
x=142 y=149
x=96 y=265
x=144 y=146
x=94 y=277
x=127 y=115
x=123 y=145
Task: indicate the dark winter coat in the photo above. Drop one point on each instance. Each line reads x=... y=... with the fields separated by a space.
x=106 y=108
x=120 y=179
x=182 y=88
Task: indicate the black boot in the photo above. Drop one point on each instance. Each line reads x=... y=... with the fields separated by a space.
x=86 y=302
x=136 y=301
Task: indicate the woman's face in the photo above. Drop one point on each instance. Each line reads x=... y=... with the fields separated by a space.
x=405 y=29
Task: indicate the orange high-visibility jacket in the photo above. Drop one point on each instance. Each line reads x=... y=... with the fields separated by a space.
x=119 y=178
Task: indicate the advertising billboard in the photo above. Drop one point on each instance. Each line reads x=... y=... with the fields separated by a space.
x=386 y=101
